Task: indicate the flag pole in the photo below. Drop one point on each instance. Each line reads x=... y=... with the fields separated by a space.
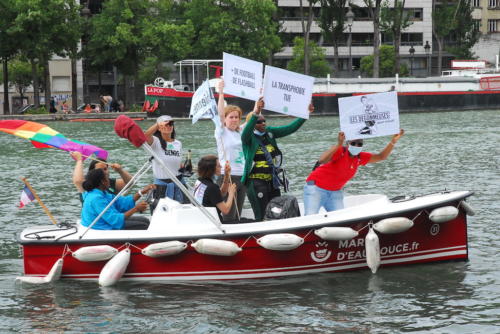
x=39 y=200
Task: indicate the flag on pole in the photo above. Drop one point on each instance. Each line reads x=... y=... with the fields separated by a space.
x=203 y=105
x=26 y=197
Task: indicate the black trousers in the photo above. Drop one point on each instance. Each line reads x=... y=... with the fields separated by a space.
x=260 y=193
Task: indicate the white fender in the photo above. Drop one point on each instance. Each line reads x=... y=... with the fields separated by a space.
x=372 y=248
x=164 y=248
x=393 y=225
x=280 y=241
x=444 y=214
x=53 y=275
x=113 y=269
x=95 y=253
x=336 y=233
x=216 y=247
x=467 y=208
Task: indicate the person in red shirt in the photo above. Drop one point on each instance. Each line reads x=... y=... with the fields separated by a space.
x=337 y=166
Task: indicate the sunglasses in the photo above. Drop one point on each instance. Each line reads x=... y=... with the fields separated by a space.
x=260 y=121
x=171 y=123
x=356 y=143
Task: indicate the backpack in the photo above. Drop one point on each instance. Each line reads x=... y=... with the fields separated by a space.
x=282 y=207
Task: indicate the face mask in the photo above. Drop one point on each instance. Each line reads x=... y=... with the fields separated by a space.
x=355 y=150
x=258 y=133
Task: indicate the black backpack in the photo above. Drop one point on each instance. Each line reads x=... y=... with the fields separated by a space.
x=282 y=207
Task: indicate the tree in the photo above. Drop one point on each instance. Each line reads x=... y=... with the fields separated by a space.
x=374 y=11
x=331 y=22
x=306 y=30
x=242 y=27
x=393 y=21
x=20 y=75
x=9 y=45
x=387 y=60
x=318 y=65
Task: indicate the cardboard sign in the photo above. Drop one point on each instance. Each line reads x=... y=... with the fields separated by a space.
x=287 y=92
x=242 y=77
x=369 y=116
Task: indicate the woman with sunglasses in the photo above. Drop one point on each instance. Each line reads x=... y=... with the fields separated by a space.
x=261 y=157
x=230 y=149
x=337 y=166
x=161 y=137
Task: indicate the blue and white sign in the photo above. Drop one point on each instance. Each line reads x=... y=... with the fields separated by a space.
x=203 y=104
x=242 y=77
x=369 y=116
x=287 y=92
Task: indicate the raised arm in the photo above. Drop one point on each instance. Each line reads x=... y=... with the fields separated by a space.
x=125 y=176
x=220 y=103
x=250 y=125
x=327 y=155
x=149 y=133
x=388 y=149
x=78 y=176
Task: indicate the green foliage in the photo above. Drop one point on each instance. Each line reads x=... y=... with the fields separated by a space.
x=37 y=111
x=319 y=66
x=20 y=75
x=394 y=20
x=387 y=59
x=135 y=108
x=153 y=68
x=242 y=27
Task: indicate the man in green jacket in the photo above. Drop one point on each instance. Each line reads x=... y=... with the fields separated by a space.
x=261 y=154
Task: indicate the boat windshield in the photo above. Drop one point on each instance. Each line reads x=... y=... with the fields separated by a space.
x=192 y=72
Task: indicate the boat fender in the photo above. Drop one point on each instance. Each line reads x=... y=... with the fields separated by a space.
x=280 y=241
x=393 y=225
x=216 y=247
x=336 y=233
x=164 y=248
x=114 y=269
x=95 y=253
x=372 y=247
x=467 y=208
x=444 y=214
x=53 y=275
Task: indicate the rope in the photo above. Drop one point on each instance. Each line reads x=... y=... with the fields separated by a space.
x=244 y=243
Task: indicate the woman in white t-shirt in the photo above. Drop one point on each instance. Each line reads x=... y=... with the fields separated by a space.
x=161 y=137
x=229 y=148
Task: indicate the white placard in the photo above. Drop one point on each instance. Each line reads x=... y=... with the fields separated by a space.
x=287 y=92
x=369 y=116
x=203 y=104
x=242 y=77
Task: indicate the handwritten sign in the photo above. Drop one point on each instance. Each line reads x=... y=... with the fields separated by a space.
x=203 y=104
x=242 y=77
x=369 y=116
x=287 y=92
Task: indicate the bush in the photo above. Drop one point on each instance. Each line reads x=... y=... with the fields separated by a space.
x=37 y=111
x=387 y=60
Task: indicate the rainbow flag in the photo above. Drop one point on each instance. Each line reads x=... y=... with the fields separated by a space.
x=41 y=136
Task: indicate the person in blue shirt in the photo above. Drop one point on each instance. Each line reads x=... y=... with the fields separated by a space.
x=119 y=216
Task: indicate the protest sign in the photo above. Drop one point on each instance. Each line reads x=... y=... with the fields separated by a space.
x=242 y=77
x=203 y=104
x=369 y=116
x=287 y=92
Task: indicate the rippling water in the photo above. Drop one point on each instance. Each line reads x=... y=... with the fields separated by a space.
x=454 y=150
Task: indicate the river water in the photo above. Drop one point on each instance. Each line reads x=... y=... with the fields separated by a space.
x=453 y=150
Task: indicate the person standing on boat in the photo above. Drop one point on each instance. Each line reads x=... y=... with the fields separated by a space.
x=161 y=137
x=337 y=166
x=207 y=193
x=118 y=216
x=261 y=154
x=115 y=185
x=230 y=149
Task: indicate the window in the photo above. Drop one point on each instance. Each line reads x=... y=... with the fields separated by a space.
x=493 y=3
x=414 y=14
x=477 y=25
x=476 y=3
x=493 y=25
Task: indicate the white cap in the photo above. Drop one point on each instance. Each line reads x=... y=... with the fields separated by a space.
x=164 y=118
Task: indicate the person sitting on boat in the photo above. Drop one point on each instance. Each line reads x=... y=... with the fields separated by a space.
x=261 y=154
x=115 y=185
x=230 y=149
x=161 y=137
x=337 y=166
x=118 y=216
x=207 y=192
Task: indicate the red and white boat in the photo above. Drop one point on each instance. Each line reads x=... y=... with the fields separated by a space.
x=188 y=242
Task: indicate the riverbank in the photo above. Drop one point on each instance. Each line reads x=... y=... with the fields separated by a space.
x=83 y=117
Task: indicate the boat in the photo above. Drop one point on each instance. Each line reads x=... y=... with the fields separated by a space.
x=186 y=242
x=455 y=90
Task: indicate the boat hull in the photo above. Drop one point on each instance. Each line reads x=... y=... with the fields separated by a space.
x=424 y=242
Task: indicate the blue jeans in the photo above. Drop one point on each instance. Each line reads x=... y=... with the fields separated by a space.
x=172 y=190
x=315 y=198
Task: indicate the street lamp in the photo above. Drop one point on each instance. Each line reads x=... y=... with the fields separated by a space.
x=412 y=53
x=427 y=48
x=349 y=16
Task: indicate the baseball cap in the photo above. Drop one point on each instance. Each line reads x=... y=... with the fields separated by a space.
x=164 y=118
